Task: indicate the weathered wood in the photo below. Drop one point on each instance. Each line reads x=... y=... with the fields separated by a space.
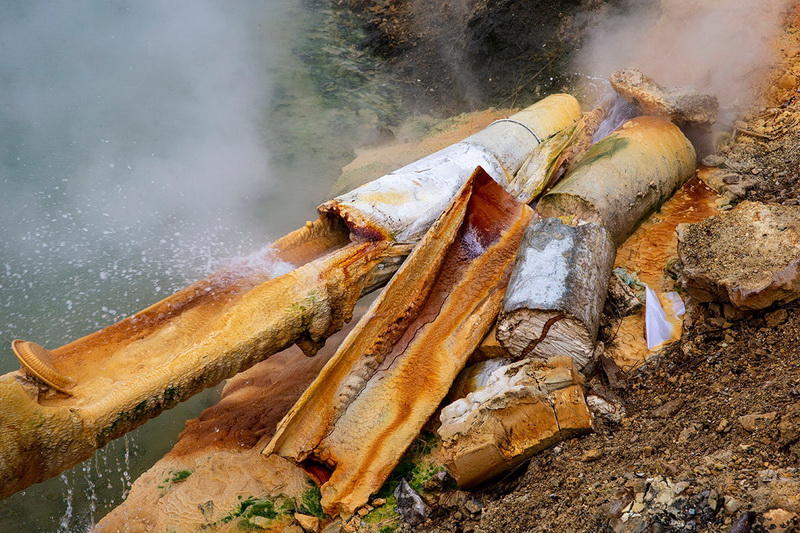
x=556 y=292
x=390 y=374
x=402 y=205
x=523 y=408
x=624 y=177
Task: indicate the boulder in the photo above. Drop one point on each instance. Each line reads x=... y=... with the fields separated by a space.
x=749 y=256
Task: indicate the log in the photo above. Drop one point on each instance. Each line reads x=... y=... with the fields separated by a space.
x=390 y=374
x=557 y=290
x=523 y=408
x=624 y=177
x=403 y=204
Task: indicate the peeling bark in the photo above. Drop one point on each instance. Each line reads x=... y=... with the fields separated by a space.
x=556 y=292
x=403 y=205
x=372 y=399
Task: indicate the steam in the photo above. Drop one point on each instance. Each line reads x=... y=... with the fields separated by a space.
x=722 y=47
x=132 y=153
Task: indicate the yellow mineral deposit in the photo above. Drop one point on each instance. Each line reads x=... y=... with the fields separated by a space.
x=372 y=399
x=117 y=378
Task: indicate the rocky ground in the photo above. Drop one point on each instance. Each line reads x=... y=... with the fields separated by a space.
x=710 y=436
x=460 y=55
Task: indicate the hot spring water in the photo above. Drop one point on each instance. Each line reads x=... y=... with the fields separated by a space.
x=142 y=145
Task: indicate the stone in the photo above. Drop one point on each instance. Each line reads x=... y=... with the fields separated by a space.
x=668 y=409
x=776 y=318
x=591 y=455
x=732 y=504
x=682 y=106
x=410 y=505
x=292 y=528
x=308 y=523
x=748 y=256
x=757 y=421
x=780 y=521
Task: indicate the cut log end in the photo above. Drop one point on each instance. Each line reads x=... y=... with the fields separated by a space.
x=528 y=333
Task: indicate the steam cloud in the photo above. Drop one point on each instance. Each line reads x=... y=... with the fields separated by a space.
x=132 y=152
x=722 y=47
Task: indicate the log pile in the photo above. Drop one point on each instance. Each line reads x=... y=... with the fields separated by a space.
x=491 y=321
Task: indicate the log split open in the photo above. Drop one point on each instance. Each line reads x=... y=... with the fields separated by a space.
x=391 y=373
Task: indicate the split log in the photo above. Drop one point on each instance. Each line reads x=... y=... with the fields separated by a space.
x=557 y=290
x=390 y=374
x=624 y=177
x=525 y=407
x=559 y=283
x=403 y=205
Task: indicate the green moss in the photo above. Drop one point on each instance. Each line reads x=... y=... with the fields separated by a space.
x=385 y=513
x=388 y=529
x=601 y=150
x=251 y=512
x=180 y=475
x=310 y=502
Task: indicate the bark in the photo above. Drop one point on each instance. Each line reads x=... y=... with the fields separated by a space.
x=624 y=177
x=390 y=374
x=557 y=290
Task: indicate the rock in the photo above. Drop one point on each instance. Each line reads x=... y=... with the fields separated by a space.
x=732 y=504
x=473 y=506
x=293 y=528
x=776 y=318
x=682 y=106
x=600 y=407
x=377 y=502
x=308 y=523
x=410 y=505
x=591 y=455
x=780 y=521
x=789 y=426
x=524 y=408
x=787 y=81
x=749 y=256
x=756 y=421
x=454 y=499
x=334 y=527
x=668 y=409
x=743 y=524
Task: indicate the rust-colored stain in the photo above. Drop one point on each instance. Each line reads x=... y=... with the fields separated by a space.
x=391 y=373
x=647 y=252
x=654 y=243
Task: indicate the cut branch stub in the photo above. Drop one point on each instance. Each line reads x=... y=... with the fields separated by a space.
x=556 y=292
x=391 y=373
x=624 y=177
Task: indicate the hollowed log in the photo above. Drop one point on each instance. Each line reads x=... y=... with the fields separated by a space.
x=373 y=397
